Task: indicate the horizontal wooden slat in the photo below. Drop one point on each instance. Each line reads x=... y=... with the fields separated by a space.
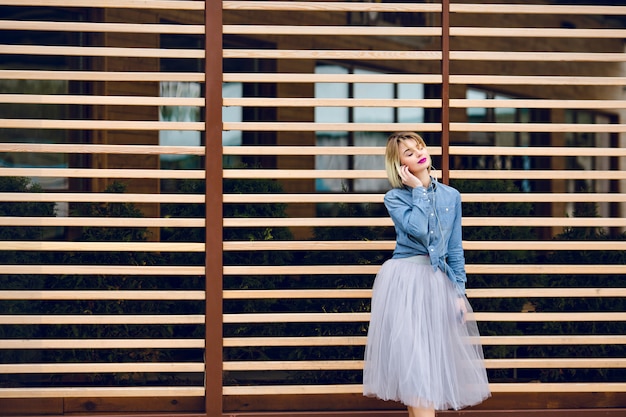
x=101 y=295
x=539 y=103
x=118 y=4
x=278 y=77
x=538 y=174
x=103 y=246
x=382 y=127
x=230 y=342
x=331 y=30
x=537 y=32
x=358 y=365
x=358 y=389
x=103 y=198
x=35 y=25
x=330 y=54
x=386 y=221
x=96 y=149
x=339 y=127
x=389 y=245
x=537 y=127
x=160 y=319
x=326 y=6
x=101 y=173
x=434 y=150
x=329 y=102
x=102 y=221
x=380 y=174
x=100 y=75
x=152 y=343
x=367 y=293
x=100 y=100
x=98 y=124
x=537 y=9
x=517 y=269
x=363 y=317
x=536 y=80
x=102 y=392
x=108 y=51
x=71 y=368
x=49 y=269
x=537 y=56
x=378 y=198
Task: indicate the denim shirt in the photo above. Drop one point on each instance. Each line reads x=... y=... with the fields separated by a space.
x=428 y=222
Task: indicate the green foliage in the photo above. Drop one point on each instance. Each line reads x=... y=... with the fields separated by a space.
x=581 y=304
x=507 y=257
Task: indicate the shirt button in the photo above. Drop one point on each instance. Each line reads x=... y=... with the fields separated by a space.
x=431 y=249
x=432 y=214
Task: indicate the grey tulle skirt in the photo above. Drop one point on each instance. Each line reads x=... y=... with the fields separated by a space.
x=421 y=350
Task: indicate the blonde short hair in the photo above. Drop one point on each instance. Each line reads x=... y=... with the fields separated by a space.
x=392 y=154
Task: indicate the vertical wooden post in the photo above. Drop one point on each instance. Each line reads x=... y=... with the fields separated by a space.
x=445 y=91
x=213 y=201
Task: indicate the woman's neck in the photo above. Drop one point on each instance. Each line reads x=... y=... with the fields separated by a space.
x=424 y=177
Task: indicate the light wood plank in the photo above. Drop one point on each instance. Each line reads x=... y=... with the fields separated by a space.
x=103 y=246
x=160 y=319
x=330 y=54
x=102 y=392
x=538 y=174
x=108 y=149
x=538 y=9
x=539 y=103
x=471 y=293
x=311 y=150
x=537 y=127
x=387 y=222
x=100 y=100
x=81 y=368
x=330 y=78
x=118 y=4
x=101 y=173
x=537 y=56
x=101 y=295
x=102 y=269
x=485 y=340
x=331 y=30
x=536 y=151
x=516 y=269
x=326 y=6
x=101 y=51
x=98 y=124
x=390 y=244
x=102 y=221
x=378 y=198
x=38 y=25
x=101 y=344
x=364 y=317
x=358 y=389
x=537 y=80
x=101 y=75
x=103 y=198
x=537 y=32
x=329 y=102
x=489 y=363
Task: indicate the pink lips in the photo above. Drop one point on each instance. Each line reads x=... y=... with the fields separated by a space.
x=421 y=161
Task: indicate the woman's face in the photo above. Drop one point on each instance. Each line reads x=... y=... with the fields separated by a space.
x=414 y=156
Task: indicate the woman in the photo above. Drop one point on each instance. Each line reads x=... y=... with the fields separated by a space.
x=423 y=347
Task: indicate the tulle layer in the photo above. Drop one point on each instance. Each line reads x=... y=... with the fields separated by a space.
x=421 y=350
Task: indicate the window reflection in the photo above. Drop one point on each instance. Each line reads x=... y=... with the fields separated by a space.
x=359 y=115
